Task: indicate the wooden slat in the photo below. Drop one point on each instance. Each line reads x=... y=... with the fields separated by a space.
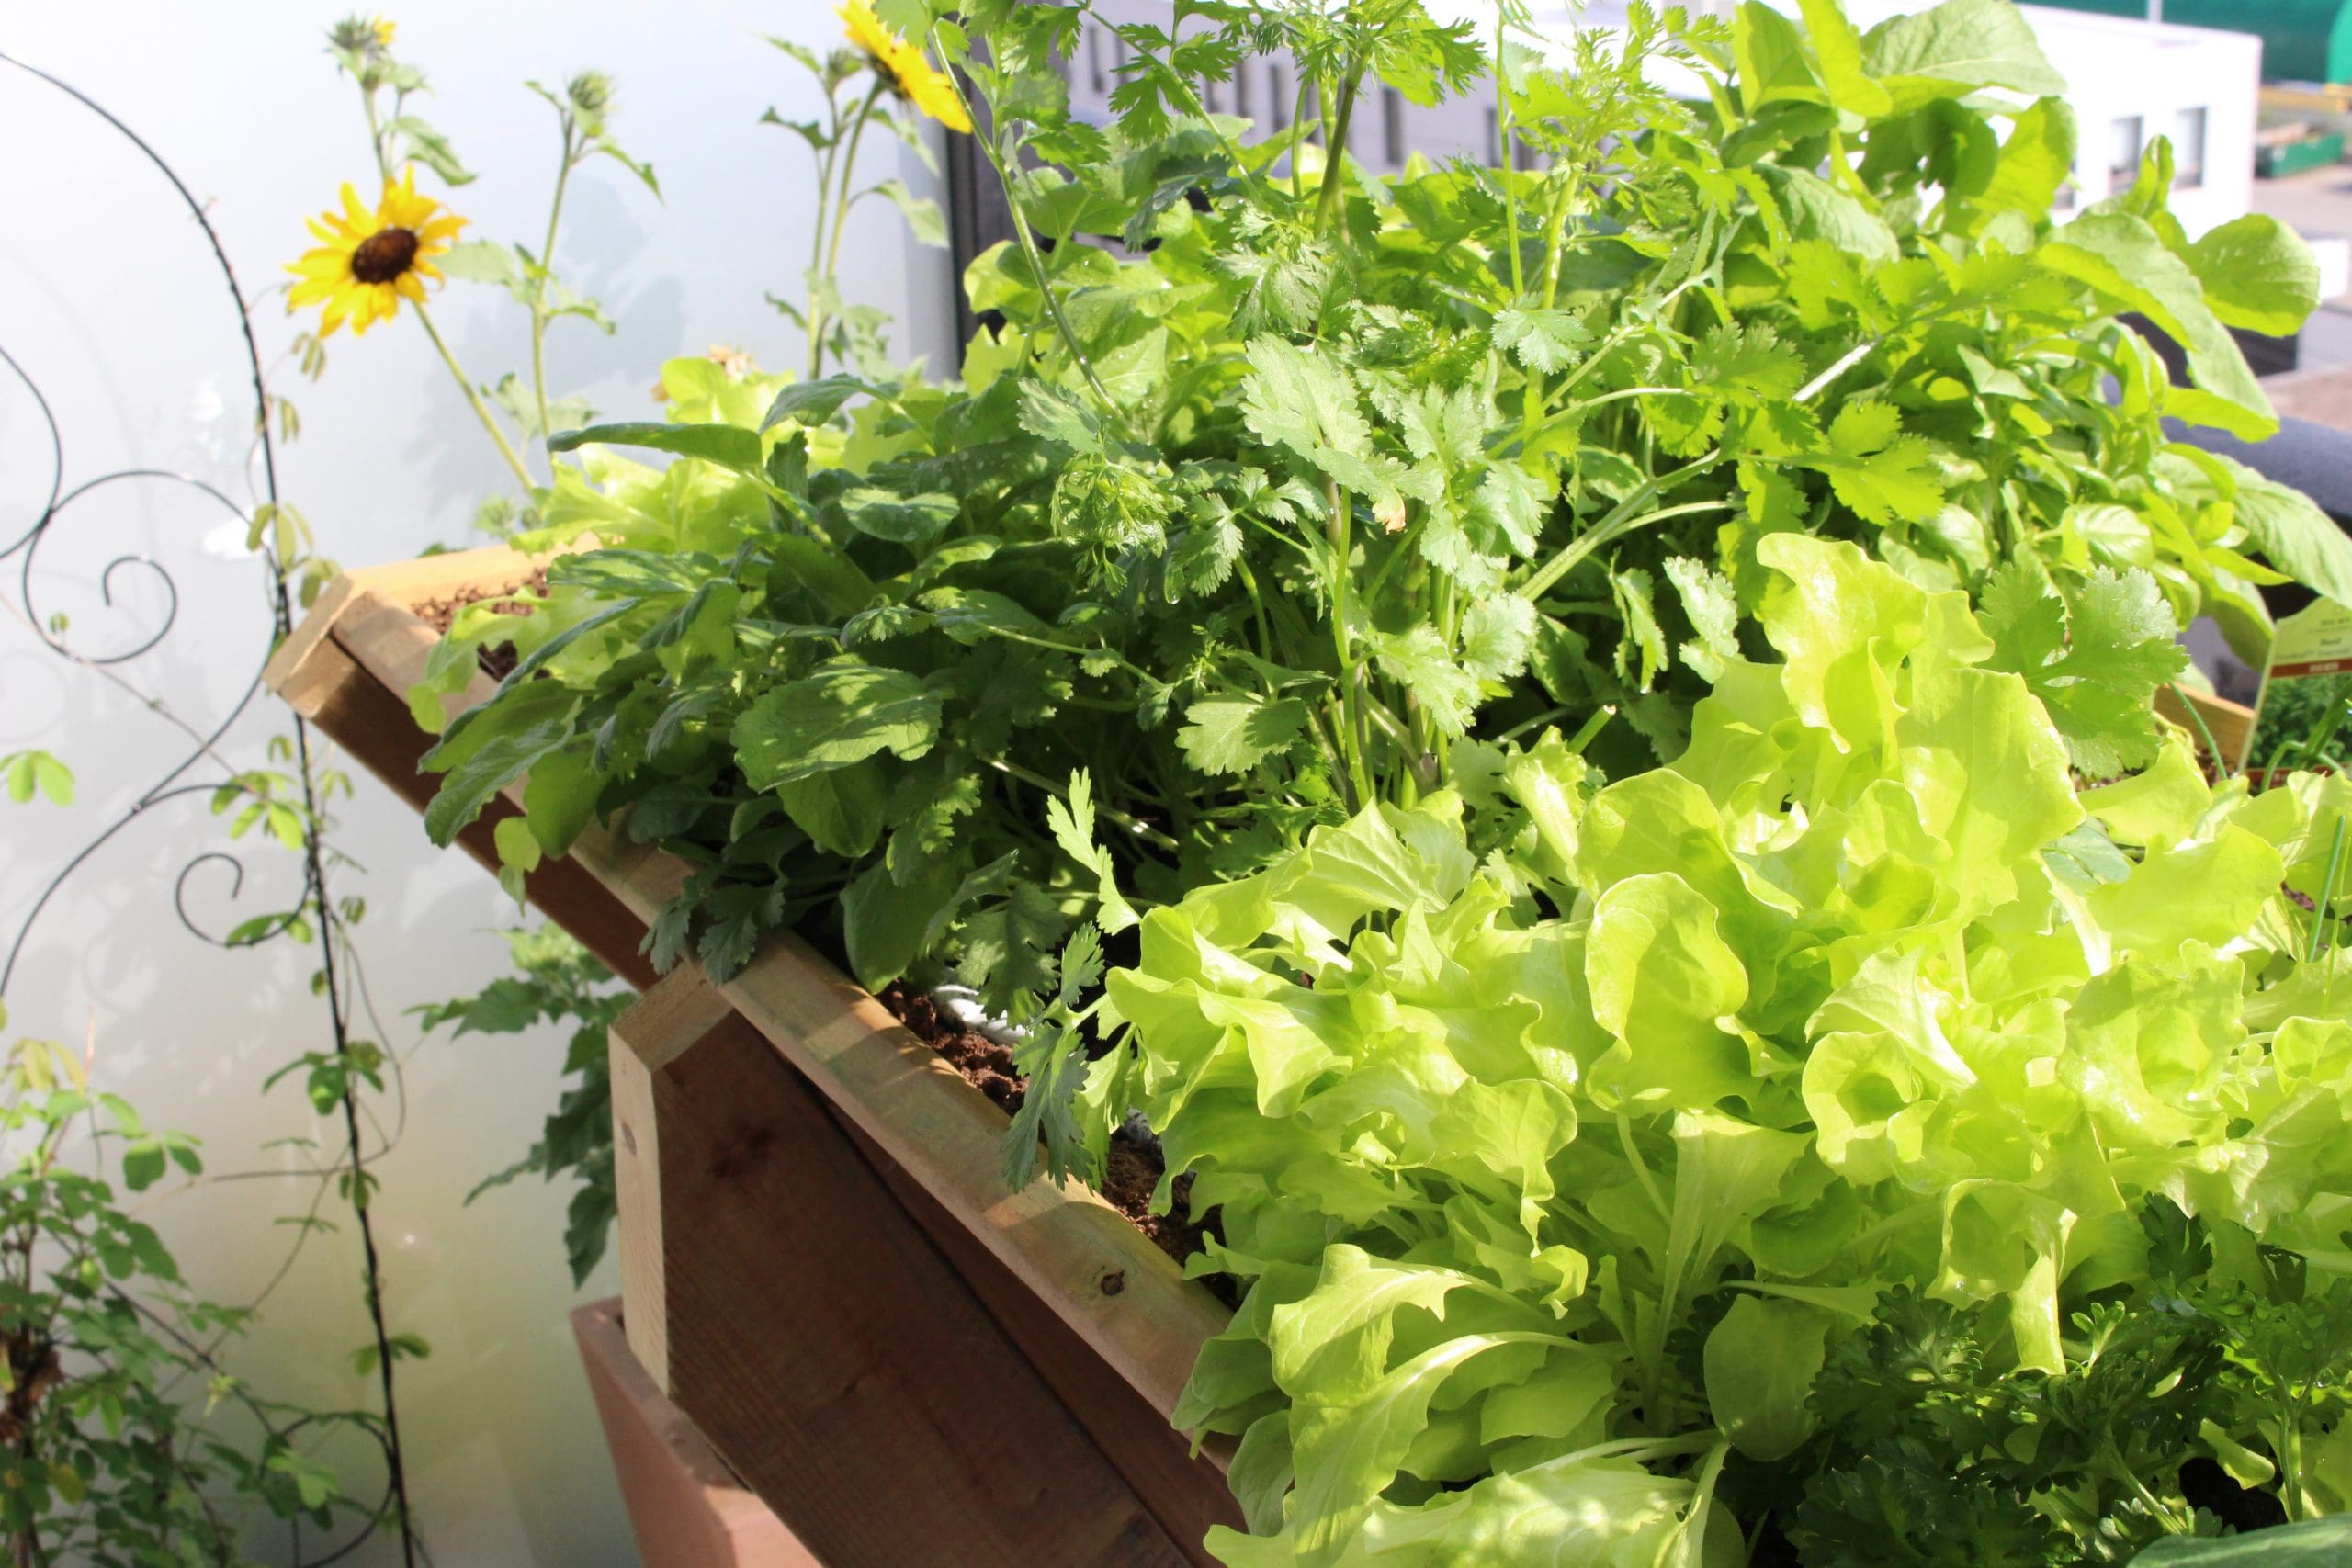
x=869 y=1397
x=1185 y=1491
x=685 y=1508
x=1122 y=1296
x=1107 y=1319
x=1063 y=1242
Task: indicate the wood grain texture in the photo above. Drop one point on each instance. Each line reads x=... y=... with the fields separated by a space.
x=835 y=1357
x=1106 y=1319
x=685 y=1508
x=1122 y=1296
x=1185 y=1491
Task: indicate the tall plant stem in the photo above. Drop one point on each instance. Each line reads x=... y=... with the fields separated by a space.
x=465 y=382
x=818 y=319
x=539 y=295
x=1029 y=253
x=1350 y=719
x=1335 y=155
x=314 y=867
x=473 y=399
x=817 y=230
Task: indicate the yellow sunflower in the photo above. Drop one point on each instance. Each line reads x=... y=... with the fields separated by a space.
x=383 y=28
x=903 y=65
x=367 y=260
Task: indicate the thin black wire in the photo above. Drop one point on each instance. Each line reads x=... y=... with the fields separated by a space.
x=169 y=786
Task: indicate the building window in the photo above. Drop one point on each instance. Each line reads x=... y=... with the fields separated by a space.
x=1241 y=89
x=2064 y=201
x=2188 y=149
x=1277 y=107
x=1392 y=126
x=1209 y=96
x=1494 y=139
x=2123 y=152
x=1094 y=59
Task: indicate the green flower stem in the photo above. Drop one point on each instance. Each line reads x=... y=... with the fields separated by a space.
x=1503 y=132
x=473 y=399
x=465 y=382
x=540 y=294
x=1028 y=241
x=818 y=320
x=817 y=230
x=1334 y=157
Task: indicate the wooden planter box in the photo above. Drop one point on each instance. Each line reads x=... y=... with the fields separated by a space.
x=820 y=1264
x=686 y=1507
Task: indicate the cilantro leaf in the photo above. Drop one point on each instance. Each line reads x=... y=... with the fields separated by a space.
x=2094 y=662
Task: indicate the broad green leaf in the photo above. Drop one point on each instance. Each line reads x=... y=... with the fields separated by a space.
x=2258 y=275
x=2313 y=1543
x=1774 y=64
x=2295 y=536
x=842 y=712
x=1953 y=50
x=1839 y=52
x=2122 y=259
x=2037 y=159
x=1332 y=1344
x=812 y=402
x=1760 y=1361
x=901 y=519
x=1816 y=209
x=1347 y=1454
x=840 y=808
x=728 y=445
x=1661 y=977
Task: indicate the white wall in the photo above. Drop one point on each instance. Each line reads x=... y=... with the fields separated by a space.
x=106 y=298
x=2123 y=74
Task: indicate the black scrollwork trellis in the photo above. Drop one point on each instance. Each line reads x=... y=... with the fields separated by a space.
x=193 y=772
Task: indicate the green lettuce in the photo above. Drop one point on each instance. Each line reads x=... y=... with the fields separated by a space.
x=1558 y=1130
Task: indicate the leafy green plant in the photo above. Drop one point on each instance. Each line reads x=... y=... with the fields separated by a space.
x=556 y=981
x=1856 y=996
x=1282 y=482
x=127 y=1443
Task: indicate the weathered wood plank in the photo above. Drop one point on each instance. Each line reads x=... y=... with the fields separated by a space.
x=685 y=1508
x=1122 y=1295
x=834 y=1357
x=1106 y=1319
x=1185 y=1492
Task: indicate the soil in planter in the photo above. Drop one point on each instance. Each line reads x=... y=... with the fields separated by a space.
x=1134 y=1165
x=440 y=613
x=1133 y=1168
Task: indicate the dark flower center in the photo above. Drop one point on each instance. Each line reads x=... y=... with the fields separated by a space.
x=383 y=256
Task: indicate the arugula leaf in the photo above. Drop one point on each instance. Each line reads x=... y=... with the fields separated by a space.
x=842 y=712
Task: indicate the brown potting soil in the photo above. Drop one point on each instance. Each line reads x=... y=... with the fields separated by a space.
x=441 y=613
x=1131 y=1174
x=1133 y=1169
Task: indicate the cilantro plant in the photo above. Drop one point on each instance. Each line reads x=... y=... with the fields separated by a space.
x=1783 y=1137
x=1274 y=481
